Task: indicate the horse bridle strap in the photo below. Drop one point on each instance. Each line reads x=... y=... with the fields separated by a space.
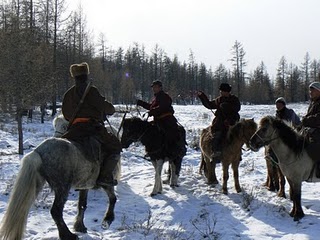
x=268 y=141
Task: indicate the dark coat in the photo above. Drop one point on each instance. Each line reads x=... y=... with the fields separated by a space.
x=288 y=115
x=160 y=106
x=162 y=111
x=94 y=107
x=227 y=110
x=311 y=121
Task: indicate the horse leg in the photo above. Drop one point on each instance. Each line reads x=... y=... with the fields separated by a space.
x=282 y=183
x=211 y=171
x=82 y=206
x=295 y=195
x=167 y=181
x=174 y=176
x=225 y=169
x=158 y=164
x=202 y=166
x=270 y=176
x=235 y=168
x=61 y=196
x=109 y=216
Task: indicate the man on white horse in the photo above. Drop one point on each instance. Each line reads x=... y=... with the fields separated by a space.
x=311 y=124
x=86 y=109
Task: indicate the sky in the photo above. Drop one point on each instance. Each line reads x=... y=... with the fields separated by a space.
x=192 y=211
x=267 y=29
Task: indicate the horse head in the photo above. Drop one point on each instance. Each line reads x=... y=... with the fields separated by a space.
x=60 y=125
x=249 y=128
x=242 y=130
x=132 y=130
x=264 y=134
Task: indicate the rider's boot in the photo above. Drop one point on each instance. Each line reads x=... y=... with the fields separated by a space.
x=106 y=176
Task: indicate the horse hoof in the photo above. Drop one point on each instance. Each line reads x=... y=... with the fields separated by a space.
x=282 y=195
x=165 y=181
x=105 y=225
x=296 y=219
x=80 y=228
x=154 y=194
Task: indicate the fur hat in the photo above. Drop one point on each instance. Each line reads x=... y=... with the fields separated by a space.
x=156 y=82
x=79 y=69
x=315 y=85
x=281 y=100
x=225 y=87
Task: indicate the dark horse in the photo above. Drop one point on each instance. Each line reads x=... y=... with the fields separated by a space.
x=60 y=163
x=290 y=147
x=275 y=178
x=149 y=134
x=237 y=135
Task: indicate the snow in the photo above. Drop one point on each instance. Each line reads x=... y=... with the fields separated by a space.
x=193 y=210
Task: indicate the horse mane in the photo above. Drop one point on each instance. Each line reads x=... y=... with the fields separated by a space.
x=137 y=123
x=234 y=131
x=294 y=140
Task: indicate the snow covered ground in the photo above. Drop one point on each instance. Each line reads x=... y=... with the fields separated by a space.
x=192 y=211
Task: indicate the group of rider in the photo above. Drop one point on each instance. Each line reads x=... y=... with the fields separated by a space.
x=86 y=109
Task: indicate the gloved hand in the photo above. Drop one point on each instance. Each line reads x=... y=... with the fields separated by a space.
x=139 y=102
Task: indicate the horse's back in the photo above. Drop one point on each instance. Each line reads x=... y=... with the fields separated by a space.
x=63 y=162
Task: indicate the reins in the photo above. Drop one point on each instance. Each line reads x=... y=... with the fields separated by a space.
x=269 y=140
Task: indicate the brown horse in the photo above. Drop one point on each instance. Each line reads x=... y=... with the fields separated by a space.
x=237 y=135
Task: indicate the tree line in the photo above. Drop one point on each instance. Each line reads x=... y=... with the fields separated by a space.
x=40 y=39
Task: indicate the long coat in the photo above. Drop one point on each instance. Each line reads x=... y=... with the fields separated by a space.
x=288 y=115
x=227 y=110
x=162 y=111
x=93 y=112
x=311 y=120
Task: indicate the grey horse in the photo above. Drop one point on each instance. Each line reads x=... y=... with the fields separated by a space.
x=60 y=163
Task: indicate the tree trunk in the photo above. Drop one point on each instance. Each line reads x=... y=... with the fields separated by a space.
x=20 y=132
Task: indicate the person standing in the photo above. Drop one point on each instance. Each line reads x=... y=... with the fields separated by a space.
x=285 y=113
x=160 y=108
x=227 y=108
x=86 y=109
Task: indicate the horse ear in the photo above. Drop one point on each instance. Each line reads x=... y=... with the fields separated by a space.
x=252 y=119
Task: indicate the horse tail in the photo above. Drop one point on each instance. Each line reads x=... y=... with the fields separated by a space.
x=25 y=190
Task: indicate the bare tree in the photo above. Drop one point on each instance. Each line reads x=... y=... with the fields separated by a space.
x=238 y=63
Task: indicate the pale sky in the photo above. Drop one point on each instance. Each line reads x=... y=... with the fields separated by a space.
x=267 y=29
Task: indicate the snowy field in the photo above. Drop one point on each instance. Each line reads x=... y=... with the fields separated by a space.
x=192 y=211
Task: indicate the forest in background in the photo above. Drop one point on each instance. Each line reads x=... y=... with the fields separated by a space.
x=40 y=39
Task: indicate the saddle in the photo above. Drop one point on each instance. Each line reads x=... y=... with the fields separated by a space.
x=90 y=147
x=174 y=143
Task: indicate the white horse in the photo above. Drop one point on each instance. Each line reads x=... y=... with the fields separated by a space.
x=60 y=163
x=290 y=148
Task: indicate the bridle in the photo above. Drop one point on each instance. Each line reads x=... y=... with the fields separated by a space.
x=267 y=142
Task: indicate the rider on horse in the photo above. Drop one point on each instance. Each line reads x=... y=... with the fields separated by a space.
x=86 y=109
x=311 y=124
x=226 y=115
x=162 y=111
